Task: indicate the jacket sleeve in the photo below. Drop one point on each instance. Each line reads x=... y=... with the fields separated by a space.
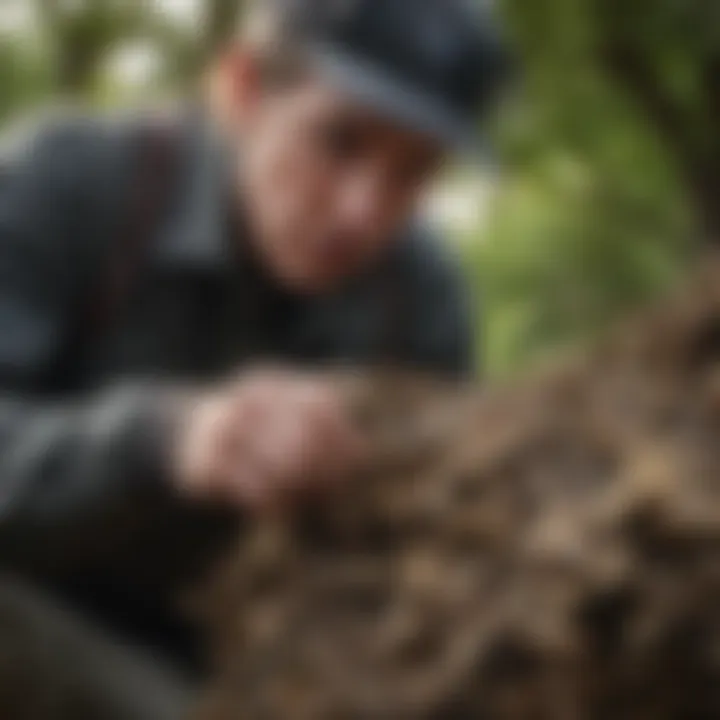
x=69 y=469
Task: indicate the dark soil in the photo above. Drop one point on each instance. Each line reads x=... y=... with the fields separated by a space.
x=550 y=550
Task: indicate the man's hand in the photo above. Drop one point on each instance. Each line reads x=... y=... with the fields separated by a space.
x=265 y=440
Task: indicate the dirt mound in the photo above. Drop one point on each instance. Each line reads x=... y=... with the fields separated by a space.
x=547 y=550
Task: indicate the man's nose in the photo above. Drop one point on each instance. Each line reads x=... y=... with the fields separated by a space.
x=362 y=201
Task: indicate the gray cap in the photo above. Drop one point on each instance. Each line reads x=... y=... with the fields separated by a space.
x=434 y=65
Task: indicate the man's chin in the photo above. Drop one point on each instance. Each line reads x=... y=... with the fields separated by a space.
x=307 y=281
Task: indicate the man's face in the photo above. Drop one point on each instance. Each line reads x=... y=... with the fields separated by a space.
x=327 y=185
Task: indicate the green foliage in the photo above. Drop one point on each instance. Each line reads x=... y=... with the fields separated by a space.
x=24 y=77
x=82 y=33
x=593 y=215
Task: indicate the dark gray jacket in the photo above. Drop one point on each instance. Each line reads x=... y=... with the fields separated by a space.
x=84 y=502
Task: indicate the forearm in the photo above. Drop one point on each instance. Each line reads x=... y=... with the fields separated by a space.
x=72 y=474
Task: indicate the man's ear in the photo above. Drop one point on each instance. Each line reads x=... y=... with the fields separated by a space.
x=234 y=87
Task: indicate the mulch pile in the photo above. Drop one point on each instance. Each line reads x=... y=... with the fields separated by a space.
x=549 y=550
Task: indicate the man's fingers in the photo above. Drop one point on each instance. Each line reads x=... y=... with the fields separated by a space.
x=268 y=439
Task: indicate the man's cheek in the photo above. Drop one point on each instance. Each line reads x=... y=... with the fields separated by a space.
x=308 y=214
x=293 y=211
x=282 y=202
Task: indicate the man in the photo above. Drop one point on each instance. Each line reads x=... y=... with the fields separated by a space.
x=143 y=262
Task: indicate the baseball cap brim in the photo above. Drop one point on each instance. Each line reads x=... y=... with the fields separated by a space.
x=394 y=100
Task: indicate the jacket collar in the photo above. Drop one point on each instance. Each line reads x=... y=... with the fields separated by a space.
x=197 y=234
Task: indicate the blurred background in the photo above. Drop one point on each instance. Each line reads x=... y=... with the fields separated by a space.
x=606 y=180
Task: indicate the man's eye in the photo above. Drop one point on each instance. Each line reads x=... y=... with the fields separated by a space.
x=416 y=171
x=342 y=142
